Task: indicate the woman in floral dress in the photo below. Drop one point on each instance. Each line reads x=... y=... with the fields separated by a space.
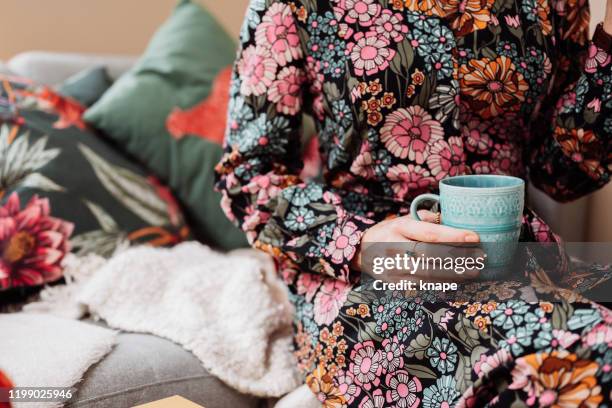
x=405 y=93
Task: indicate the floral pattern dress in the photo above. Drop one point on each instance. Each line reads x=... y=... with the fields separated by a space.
x=405 y=93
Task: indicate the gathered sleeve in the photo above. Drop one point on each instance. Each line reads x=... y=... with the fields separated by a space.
x=258 y=175
x=571 y=137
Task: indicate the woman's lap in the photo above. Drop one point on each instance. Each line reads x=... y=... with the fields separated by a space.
x=394 y=350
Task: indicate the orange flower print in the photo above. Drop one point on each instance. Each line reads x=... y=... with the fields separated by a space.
x=322 y=385
x=371 y=105
x=374 y=118
x=410 y=90
x=397 y=5
x=577 y=143
x=388 y=100
x=558 y=380
x=578 y=17
x=375 y=87
x=427 y=7
x=418 y=77
x=492 y=87
x=467 y=16
x=573 y=141
x=543 y=10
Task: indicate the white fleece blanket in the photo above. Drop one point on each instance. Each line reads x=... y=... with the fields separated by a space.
x=47 y=351
x=231 y=310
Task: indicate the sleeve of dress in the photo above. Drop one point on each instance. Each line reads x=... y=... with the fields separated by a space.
x=258 y=175
x=570 y=151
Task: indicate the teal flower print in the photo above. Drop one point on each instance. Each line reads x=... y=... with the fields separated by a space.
x=265 y=135
x=393 y=316
x=252 y=18
x=584 y=318
x=510 y=314
x=442 y=355
x=537 y=320
x=605 y=366
x=342 y=112
x=422 y=42
x=508 y=49
x=299 y=219
x=530 y=8
x=415 y=322
x=608 y=125
x=516 y=340
x=440 y=63
x=303 y=194
x=442 y=38
x=418 y=21
x=544 y=341
x=442 y=394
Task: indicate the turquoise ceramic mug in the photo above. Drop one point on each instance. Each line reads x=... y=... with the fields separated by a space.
x=489 y=205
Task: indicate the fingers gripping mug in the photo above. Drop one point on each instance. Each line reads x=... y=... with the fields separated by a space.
x=489 y=205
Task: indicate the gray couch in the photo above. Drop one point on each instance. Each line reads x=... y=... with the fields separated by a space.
x=141 y=368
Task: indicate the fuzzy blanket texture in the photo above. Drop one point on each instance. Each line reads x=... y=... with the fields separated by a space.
x=39 y=344
x=230 y=310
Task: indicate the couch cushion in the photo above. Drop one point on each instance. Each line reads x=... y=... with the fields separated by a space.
x=176 y=71
x=144 y=368
x=87 y=86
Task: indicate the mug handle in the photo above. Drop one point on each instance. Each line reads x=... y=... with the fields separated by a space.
x=414 y=207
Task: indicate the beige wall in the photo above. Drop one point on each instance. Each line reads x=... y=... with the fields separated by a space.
x=106 y=26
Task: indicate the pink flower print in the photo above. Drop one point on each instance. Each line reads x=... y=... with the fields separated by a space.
x=34 y=243
x=595 y=105
x=447 y=158
x=488 y=363
x=347 y=386
x=567 y=102
x=477 y=140
x=343 y=243
x=408 y=133
x=257 y=70
x=482 y=167
x=278 y=33
x=513 y=21
x=363 y=165
x=392 y=355
x=286 y=91
x=265 y=187
x=362 y=11
x=308 y=284
x=329 y=300
x=403 y=389
x=505 y=159
x=596 y=58
x=377 y=400
x=366 y=365
x=602 y=333
x=389 y=25
x=314 y=75
x=409 y=180
x=370 y=53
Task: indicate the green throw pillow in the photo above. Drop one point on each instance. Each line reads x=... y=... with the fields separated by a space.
x=87 y=86
x=176 y=71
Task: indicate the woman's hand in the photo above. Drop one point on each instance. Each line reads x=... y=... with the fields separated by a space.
x=607 y=24
x=407 y=230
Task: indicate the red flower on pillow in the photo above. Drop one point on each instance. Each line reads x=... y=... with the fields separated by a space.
x=208 y=118
x=5 y=385
x=32 y=243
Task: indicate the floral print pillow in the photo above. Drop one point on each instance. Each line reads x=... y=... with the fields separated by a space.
x=63 y=188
